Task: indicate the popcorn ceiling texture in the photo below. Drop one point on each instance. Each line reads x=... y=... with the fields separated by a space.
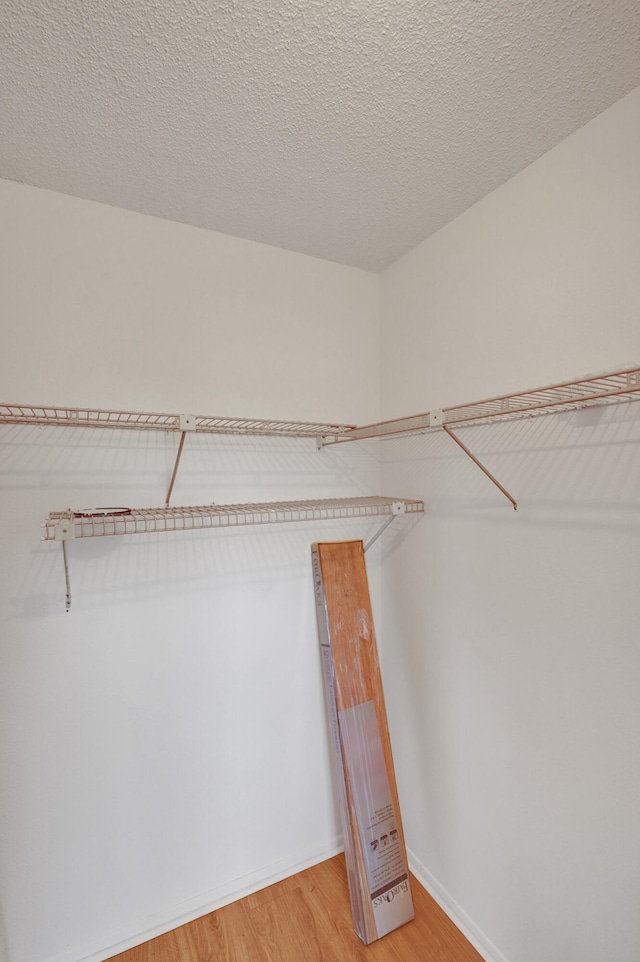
x=345 y=129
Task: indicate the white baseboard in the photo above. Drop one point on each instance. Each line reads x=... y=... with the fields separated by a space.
x=176 y=915
x=458 y=916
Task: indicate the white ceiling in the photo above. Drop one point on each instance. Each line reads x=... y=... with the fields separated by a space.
x=346 y=129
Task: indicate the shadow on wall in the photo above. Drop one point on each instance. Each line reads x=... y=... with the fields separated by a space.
x=575 y=468
x=52 y=468
x=147 y=567
x=84 y=462
x=512 y=692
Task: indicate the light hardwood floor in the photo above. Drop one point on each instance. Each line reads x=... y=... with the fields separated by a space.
x=306 y=918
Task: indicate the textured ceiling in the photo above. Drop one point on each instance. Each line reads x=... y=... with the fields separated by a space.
x=346 y=129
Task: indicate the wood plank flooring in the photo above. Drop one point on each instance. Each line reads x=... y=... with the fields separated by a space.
x=306 y=918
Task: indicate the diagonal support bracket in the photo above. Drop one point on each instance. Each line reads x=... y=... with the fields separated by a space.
x=480 y=465
x=187 y=423
x=67 y=601
x=397 y=508
x=63 y=532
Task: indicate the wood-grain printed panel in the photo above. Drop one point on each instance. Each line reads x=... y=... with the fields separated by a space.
x=357 y=680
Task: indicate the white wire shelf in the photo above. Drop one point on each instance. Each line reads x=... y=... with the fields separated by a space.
x=104 y=522
x=204 y=424
x=610 y=388
x=601 y=389
x=613 y=388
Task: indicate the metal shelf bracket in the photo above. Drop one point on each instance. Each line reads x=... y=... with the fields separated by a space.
x=480 y=465
x=63 y=531
x=67 y=600
x=188 y=422
x=398 y=507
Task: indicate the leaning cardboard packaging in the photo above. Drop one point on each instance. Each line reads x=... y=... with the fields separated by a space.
x=375 y=852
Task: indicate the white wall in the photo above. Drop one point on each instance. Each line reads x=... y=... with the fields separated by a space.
x=512 y=688
x=164 y=744
x=104 y=307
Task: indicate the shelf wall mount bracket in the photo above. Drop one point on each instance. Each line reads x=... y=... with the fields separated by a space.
x=398 y=507
x=479 y=463
x=188 y=422
x=64 y=530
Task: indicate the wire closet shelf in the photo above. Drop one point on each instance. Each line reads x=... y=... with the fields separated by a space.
x=198 y=423
x=607 y=388
x=591 y=391
x=66 y=525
